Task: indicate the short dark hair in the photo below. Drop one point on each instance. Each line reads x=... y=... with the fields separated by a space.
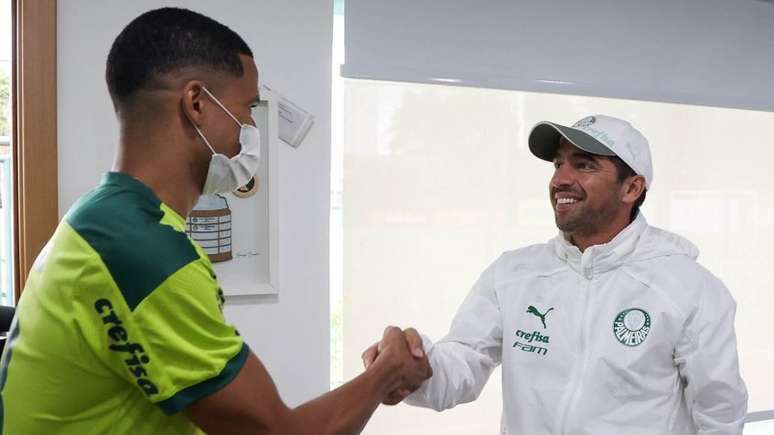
x=163 y=40
x=625 y=171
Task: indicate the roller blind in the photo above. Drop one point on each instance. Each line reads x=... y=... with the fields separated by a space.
x=704 y=52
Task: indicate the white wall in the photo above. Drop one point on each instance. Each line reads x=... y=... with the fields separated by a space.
x=291 y=40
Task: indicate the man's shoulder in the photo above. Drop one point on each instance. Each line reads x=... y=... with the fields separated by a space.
x=124 y=228
x=529 y=252
x=529 y=259
x=681 y=278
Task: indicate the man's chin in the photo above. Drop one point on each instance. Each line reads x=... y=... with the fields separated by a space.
x=566 y=225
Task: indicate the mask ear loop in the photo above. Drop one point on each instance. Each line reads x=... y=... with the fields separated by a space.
x=201 y=135
x=204 y=138
x=204 y=88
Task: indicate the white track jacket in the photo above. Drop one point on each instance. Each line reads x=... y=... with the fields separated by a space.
x=628 y=338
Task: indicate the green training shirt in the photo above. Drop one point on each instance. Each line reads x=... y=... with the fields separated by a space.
x=119 y=327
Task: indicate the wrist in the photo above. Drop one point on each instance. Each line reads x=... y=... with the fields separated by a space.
x=384 y=378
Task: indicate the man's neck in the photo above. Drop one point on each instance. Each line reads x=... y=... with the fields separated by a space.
x=171 y=190
x=153 y=149
x=170 y=177
x=599 y=237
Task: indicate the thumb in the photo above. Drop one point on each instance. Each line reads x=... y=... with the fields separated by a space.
x=370 y=355
x=414 y=341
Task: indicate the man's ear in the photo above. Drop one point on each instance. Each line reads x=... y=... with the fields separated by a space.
x=633 y=188
x=193 y=100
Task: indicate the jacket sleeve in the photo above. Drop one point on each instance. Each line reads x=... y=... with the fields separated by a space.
x=463 y=360
x=706 y=357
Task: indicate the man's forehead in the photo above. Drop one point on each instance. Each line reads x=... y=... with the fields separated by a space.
x=565 y=144
x=248 y=82
x=568 y=149
x=249 y=64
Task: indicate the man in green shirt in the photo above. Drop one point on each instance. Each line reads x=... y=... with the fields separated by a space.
x=120 y=327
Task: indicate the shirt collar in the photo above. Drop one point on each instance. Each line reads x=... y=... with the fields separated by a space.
x=601 y=258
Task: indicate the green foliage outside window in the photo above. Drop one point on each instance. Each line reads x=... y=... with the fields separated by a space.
x=5 y=110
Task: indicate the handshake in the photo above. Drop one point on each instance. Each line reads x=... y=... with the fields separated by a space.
x=399 y=363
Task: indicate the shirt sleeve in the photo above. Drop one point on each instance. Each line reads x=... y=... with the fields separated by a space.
x=463 y=360
x=706 y=357
x=175 y=345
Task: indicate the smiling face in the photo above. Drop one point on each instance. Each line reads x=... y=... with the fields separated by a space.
x=585 y=193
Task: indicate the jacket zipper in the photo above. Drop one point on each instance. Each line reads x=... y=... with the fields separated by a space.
x=570 y=403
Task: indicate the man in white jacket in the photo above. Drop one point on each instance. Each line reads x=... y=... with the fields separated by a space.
x=610 y=328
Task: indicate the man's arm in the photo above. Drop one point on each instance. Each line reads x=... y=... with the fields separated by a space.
x=706 y=357
x=463 y=361
x=250 y=404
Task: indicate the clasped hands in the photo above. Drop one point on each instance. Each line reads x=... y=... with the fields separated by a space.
x=401 y=356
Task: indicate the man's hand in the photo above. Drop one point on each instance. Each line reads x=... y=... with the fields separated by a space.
x=403 y=351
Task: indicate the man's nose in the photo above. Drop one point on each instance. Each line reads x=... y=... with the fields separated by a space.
x=563 y=176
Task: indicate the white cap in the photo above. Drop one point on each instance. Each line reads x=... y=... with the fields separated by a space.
x=598 y=134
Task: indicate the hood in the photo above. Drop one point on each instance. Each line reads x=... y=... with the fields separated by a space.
x=637 y=242
x=656 y=242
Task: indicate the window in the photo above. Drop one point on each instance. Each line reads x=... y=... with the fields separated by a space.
x=336 y=302
x=438 y=181
x=33 y=132
x=6 y=163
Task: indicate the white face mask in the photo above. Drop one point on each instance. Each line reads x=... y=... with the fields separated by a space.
x=225 y=175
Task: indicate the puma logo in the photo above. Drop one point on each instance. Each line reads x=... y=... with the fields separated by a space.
x=534 y=311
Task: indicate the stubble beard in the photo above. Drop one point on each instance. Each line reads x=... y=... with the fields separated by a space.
x=588 y=221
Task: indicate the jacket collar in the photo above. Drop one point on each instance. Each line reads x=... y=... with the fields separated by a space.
x=598 y=259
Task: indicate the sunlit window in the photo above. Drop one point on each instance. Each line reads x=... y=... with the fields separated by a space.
x=6 y=178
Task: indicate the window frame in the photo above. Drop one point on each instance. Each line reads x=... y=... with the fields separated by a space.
x=34 y=132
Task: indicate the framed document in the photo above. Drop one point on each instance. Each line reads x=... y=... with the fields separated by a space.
x=239 y=230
